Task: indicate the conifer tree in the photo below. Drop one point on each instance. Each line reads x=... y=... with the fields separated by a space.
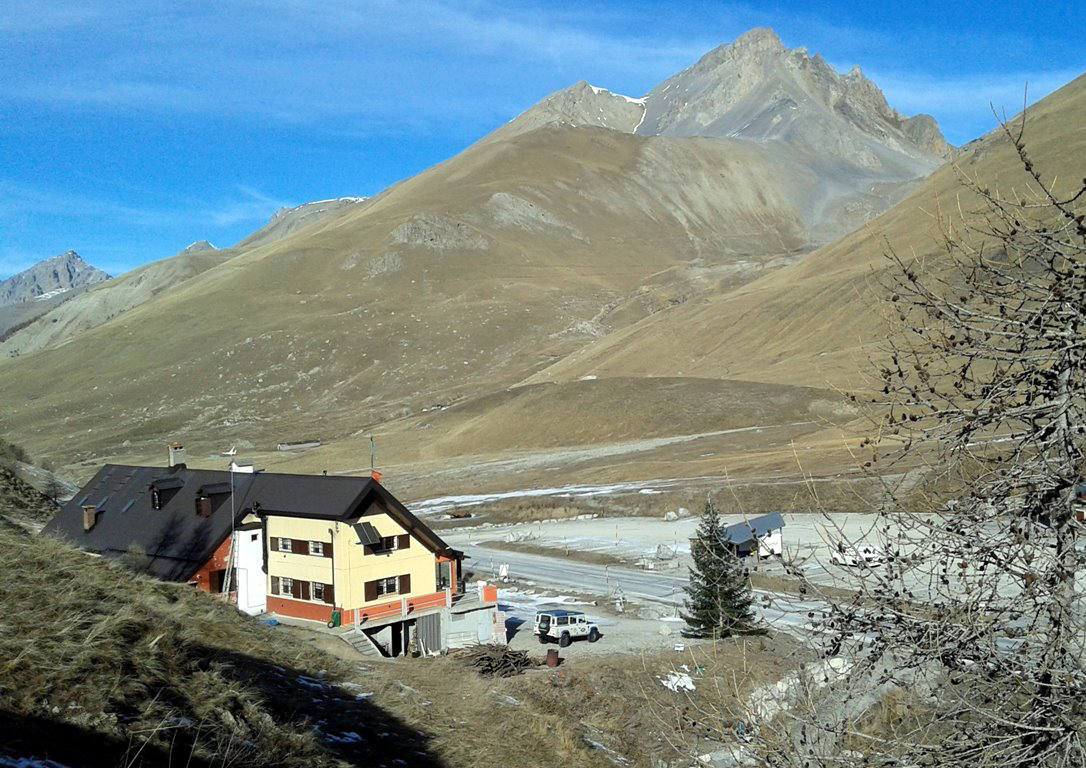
x=719 y=600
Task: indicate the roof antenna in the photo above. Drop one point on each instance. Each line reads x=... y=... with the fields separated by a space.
x=374 y=474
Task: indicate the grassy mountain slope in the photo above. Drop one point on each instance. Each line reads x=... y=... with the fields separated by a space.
x=463 y=280
x=544 y=290
x=818 y=323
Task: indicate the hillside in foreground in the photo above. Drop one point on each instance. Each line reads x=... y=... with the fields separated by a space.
x=103 y=667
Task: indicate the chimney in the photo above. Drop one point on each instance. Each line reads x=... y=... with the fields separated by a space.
x=90 y=517
x=177 y=454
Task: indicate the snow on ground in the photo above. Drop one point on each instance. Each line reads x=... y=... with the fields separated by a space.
x=809 y=538
x=445 y=503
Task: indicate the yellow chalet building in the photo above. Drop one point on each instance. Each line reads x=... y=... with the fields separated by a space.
x=346 y=544
x=338 y=550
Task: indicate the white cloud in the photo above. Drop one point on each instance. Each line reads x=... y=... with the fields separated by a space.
x=371 y=64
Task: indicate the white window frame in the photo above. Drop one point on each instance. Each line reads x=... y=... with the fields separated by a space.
x=383 y=587
x=316 y=548
x=286 y=545
x=286 y=586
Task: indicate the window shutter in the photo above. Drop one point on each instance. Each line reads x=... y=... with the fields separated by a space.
x=367 y=549
x=273 y=543
x=404 y=541
x=329 y=595
x=305 y=593
x=275 y=585
x=327 y=549
x=405 y=583
x=371 y=591
x=299 y=546
x=296 y=589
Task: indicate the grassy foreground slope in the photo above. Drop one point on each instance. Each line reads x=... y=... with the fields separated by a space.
x=102 y=668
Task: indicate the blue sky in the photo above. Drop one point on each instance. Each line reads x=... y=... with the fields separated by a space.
x=130 y=129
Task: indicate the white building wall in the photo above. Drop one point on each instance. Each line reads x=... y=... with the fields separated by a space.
x=252 y=595
x=771 y=544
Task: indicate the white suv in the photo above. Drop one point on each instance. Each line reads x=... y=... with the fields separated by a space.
x=565 y=627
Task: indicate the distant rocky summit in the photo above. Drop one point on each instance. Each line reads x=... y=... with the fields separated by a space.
x=49 y=278
x=758 y=90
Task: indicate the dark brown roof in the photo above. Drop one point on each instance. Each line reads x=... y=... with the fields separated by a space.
x=177 y=541
x=171 y=543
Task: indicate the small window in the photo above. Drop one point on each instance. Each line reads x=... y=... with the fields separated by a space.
x=388 y=543
x=562 y=620
x=286 y=587
x=254 y=537
x=318 y=591
x=389 y=586
x=316 y=548
x=286 y=545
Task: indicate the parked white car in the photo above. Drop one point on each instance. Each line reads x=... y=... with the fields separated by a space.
x=564 y=627
x=862 y=555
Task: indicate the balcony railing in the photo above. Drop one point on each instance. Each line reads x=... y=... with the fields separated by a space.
x=407 y=606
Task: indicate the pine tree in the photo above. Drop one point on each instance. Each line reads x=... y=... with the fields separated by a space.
x=719 y=601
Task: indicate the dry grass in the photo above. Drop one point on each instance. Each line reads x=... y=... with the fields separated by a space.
x=589 y=710
x=22 y=507
x=598 y=558
x=136 y=672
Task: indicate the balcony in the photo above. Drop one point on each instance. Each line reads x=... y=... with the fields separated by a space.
x=409 y=607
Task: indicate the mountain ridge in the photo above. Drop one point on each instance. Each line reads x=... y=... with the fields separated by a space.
x=460 y=286
x=49 y=277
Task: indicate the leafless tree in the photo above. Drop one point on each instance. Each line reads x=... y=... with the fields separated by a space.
x=965 y=644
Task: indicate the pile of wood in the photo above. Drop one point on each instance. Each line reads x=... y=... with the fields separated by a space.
x=494 y=660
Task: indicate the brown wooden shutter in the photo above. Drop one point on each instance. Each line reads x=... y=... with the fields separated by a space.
x=371 y=591
x=305 y=593
x=405 y=583
x=296 y=589
x=299 y=546
x=275 y=585
x=404 y=541
x=273 y=543
x=329 y=595
x=327 y=549
x=367 y=549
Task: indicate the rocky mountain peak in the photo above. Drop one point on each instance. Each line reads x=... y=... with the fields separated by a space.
x=579 y=105
x=757 y=40
x=50 y=277
x=755 y=88
x=200 y=246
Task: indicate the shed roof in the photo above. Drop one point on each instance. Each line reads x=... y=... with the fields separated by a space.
x=753 y=529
